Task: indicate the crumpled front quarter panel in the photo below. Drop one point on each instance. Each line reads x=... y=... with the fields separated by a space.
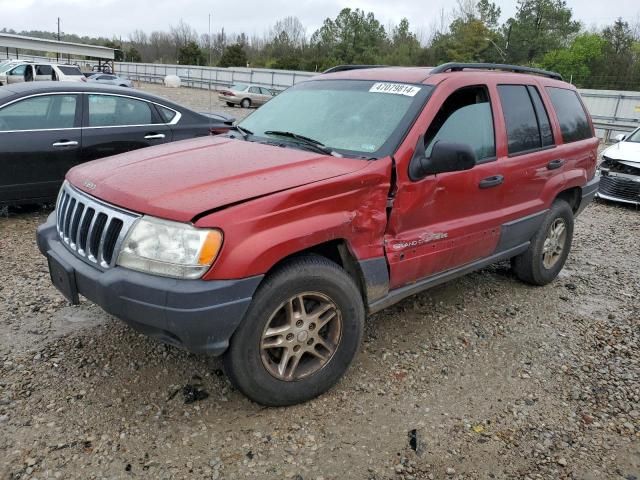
x=261 y=232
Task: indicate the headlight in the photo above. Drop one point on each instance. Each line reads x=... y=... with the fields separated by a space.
x=170 y=249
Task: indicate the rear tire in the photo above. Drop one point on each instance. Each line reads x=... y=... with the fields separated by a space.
x=246 y=103
x=229 y=104
x=300 y=334
x=549 y=247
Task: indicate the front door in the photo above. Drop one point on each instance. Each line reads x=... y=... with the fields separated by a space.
x=20 y=73
x=116 y=124
x=39 y=141
x=447 y=220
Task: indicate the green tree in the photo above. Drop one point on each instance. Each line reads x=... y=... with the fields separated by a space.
x=538 y=27
x=234 y=56
x=133 y=55
x=405 y=46
x=621 y=69
x=489 y=14
x=353 y=37
x=191 y=54
x=578 y=62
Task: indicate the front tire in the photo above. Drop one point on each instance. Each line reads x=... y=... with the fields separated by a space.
x=549 y=247
x=246 y=103
x=300 y=334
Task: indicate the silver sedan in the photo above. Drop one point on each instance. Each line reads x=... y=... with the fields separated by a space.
x=109 y=79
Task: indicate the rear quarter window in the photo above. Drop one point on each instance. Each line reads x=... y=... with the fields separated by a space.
x=574 y=124
x=71 y=71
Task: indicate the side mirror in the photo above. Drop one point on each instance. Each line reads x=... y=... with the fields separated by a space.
x=445 y=157
x=620 y=137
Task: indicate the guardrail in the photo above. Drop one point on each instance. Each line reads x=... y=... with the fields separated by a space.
x=611 y=128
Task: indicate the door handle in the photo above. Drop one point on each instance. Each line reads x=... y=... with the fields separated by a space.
x=493 y=181
x=65 y=143
x=154 y=136
x=554 y=164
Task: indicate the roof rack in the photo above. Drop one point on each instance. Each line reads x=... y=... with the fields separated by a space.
x=457 y=67
x=344 y=68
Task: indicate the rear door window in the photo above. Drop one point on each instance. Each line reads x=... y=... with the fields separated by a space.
x=166 y=113
x=112 y=111
x=465 y=117
x=44 y=70
x=526 y=118
x=574 y=124
x=38 y=113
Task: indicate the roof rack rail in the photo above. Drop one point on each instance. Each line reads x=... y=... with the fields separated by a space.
x=344 y=68
x=457 y=67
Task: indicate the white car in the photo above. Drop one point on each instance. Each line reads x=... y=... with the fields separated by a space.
x=620 y=170
x=29 y=72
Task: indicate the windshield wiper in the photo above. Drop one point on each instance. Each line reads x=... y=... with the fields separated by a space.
x=245 y=132
x=310 y=142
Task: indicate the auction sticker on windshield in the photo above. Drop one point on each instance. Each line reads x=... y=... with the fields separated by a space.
x=395 y=88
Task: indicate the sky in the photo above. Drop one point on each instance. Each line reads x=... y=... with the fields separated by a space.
x=119 y=18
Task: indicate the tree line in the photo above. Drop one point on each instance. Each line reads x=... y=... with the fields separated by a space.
x=542 y=33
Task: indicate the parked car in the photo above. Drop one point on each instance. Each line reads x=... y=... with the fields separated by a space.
x=620 y=170
x=245 y=95
x=47 y=128
x=29 y=72
x=108 y=79
x=343 y=195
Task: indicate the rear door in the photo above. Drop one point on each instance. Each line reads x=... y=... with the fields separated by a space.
x=114 y=124
x=39 y=141
x=266 y=94
x=255 y=96
x=44 y=72
x=531 y=161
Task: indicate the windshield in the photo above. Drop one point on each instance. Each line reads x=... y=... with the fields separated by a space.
x=634 y=137
x=359 y=117
x=6 y=67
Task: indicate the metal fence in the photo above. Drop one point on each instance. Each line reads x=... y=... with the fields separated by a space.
x=212 y=77
x=613 y=111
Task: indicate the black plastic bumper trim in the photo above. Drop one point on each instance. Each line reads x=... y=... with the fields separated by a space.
x=197 y=315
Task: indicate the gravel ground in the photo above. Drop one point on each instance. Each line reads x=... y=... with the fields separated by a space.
x=484 y=377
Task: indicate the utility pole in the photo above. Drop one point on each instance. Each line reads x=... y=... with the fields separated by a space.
x=209 y=39
x=58 y=54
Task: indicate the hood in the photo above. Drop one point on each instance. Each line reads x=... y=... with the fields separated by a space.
x=178 y=181
x=627 y=152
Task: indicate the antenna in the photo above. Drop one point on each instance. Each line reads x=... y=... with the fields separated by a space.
x=209 y=80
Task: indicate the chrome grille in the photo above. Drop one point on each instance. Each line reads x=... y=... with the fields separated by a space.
x=619 y=187
x=89 y=228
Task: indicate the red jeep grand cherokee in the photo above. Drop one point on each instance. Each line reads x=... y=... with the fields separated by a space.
x=339 y=197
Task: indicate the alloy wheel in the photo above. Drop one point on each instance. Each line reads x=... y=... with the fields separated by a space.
x=554 y=244
x=301 y=336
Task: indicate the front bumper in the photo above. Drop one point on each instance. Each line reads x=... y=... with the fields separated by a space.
x=197 y=315
x=625 y=189
x=589 y=192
